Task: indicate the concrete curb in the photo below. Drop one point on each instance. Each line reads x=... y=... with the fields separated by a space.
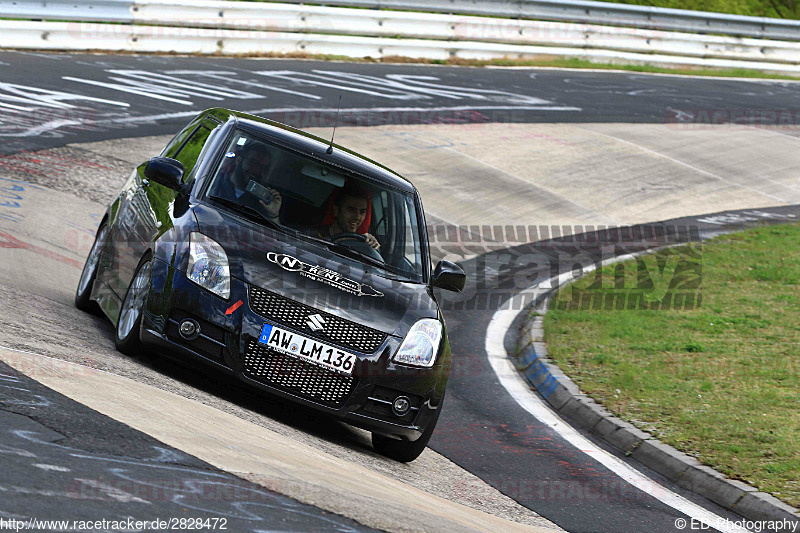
x=565 y=397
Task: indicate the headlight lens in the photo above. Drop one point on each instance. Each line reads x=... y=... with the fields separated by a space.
x=421 y=344
x=208 y=265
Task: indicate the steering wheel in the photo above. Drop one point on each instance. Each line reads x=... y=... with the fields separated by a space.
x=360 y=246
x=348 y=236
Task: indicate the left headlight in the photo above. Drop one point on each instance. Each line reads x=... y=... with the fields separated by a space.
x=421 y=344
x=208 y=265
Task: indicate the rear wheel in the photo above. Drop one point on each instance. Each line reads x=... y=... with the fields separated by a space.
x=403 y=450
x=126 y=335
x=89 y=275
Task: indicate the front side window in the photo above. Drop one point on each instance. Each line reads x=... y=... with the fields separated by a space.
x=359 y=217
x=190 y=150
x=188 y=144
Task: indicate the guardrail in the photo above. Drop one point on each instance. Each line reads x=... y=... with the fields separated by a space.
x=606 y=13
x=452 y=28
x=586 y=11
x=93 y=10
x=187 y=26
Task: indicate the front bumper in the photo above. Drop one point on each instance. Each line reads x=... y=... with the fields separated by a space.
x=229 y=343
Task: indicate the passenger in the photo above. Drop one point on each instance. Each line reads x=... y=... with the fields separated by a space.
x=251 y=165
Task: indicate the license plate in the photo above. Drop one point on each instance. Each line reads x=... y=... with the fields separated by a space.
x=307 y=349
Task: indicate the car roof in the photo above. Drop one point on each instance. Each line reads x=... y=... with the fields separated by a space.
x=306 y=142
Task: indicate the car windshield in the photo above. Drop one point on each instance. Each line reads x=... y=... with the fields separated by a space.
x=359 y=218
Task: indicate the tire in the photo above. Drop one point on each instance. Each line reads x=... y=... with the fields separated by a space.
x=83 y=293
x=402 y=450
x=126 y=334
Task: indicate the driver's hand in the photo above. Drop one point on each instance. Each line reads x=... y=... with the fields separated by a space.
x=273 y=209
x=372 y=241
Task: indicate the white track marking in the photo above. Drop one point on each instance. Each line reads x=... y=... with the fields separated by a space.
x=54 y=468
x=54 y=125
x=520 y=390
x=327 y=81
x=184 y=86
x=42 y=128
x=148 y=118
x=154 y=92
x=466 y=92
x=227 y=77
x=38 y=97
x=425 y=109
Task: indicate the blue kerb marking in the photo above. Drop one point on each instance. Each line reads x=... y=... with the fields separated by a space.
x=527 y=358
x=530 y=361
x=532 y=376
x=552 y=389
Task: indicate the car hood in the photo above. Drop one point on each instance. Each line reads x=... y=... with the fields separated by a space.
x=315 y=276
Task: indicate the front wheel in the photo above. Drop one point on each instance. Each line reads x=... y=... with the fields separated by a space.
x=403 y=450
x=89 y=275
x=126 y=335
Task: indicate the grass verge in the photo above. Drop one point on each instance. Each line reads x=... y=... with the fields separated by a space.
x=720 y=382
x=559 y=62
x=785 y=9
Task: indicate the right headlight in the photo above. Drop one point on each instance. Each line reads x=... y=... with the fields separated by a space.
x=421 y=344
x=208 y=265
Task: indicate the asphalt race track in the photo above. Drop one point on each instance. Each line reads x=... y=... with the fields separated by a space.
x=99 y=468
x=95 y=97
x=490 y=454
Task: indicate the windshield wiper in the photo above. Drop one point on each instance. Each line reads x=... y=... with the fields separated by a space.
x=247 y=211
x=346 y=250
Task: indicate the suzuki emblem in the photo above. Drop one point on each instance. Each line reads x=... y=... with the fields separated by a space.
x=316 y=322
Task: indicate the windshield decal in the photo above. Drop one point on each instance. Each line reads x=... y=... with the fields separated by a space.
x=322 y=275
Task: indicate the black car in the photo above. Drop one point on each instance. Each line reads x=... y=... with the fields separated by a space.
x=292 y=263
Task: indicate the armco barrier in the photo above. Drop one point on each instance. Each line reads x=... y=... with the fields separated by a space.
x=368 y=23
x=593 y=12
x=603 y=13
x=228 y=27
x=98 y=10
x=132 y=38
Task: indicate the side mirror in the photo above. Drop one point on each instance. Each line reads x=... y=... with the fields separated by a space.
x=449 y=276
x=165 y=171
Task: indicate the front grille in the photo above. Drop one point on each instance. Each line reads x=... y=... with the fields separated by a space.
x=296 y=376
x=294 y=314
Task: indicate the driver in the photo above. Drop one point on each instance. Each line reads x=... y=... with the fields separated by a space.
x=349 y=211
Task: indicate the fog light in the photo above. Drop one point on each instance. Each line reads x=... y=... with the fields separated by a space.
x=189 y=329
x=401 y=405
